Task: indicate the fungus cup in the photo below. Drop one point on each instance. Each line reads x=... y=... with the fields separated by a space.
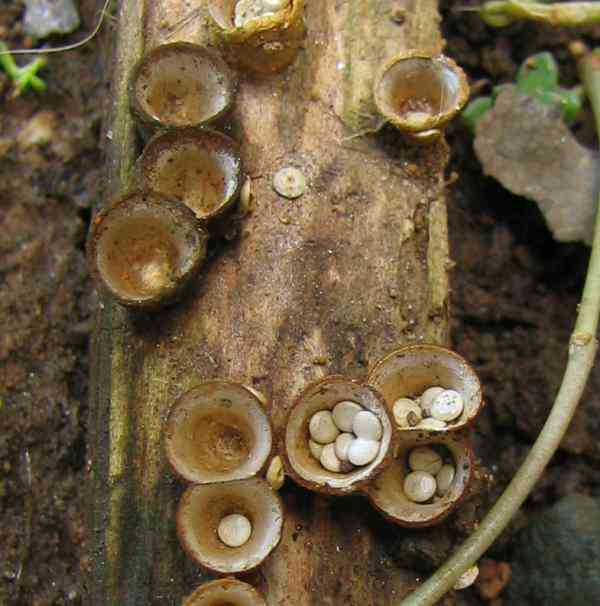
x=180 y=84
x=216 y=432
x=144 y=248
x=225 y=592
x=203 y=507
x=410 y=371
x=300 y=460
x=200 y=167
x=265 y=44
x=387 y=493
x=419 y=94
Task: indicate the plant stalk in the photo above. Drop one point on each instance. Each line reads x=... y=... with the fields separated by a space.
x=582 y=352
x=501 y=13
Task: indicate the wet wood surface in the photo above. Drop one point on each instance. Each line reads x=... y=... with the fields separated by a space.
x=326 y=283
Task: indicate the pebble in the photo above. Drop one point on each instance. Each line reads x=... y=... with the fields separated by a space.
x=419 y=486
x=234 y=530
x=366 y=425
x=425 y=458
x=342 y=443
x=447 y=406
x=322 y=427
x=344 y=413
x=46 y=17
x=362 y=451
x=289 y=182
x=444 y=479
x=407 y=412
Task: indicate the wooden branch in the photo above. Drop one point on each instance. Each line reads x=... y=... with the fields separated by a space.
x=349 y=271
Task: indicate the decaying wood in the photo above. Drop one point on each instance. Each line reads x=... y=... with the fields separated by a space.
x=326 y=283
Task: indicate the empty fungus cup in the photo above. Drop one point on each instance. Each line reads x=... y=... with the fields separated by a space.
x=200 y=167
x=225 y=592
x=202 y=509
x=144 y=248
x=265 y=44
x=408 y=372
x=387 y=491
x=218 y=431
x=180 y=84
x=324 y=395
x=418 y=93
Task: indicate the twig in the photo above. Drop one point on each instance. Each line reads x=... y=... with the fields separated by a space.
x=582 y=351
x=27 y=523
x=67 y=47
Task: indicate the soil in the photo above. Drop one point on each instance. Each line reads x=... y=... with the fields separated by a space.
x=514 y=293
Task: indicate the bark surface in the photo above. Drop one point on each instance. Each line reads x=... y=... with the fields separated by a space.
x=326 y=283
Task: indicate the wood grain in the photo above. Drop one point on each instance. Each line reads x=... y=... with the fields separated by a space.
x=344 y=274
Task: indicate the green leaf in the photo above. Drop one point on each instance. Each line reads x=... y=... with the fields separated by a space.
x=23 y=77
x=538 y=75
x=475 y=110
x=571 y=102
x=538 y=78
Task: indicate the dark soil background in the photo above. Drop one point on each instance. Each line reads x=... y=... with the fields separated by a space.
x=514 y=295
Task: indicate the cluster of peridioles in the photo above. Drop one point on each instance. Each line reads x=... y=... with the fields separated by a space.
x=144 y=248
x=414 y=474
x=219 y=439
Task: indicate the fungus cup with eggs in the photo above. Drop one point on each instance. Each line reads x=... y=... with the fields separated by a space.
x=180 y=84
x=230 y=527
x=406 y=377
x=419 y=94
x=218 y=431
x=314 y=443
x=225 y=592
x=199 y=167
x=260 y=35
x=144 y=248
x=426 y=481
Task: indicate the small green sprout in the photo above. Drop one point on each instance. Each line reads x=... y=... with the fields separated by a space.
x=23 y=77
x=538 y=78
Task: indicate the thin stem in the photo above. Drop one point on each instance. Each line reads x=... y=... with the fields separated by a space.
x=61 y=49
x=582 y=351
x=500 y=13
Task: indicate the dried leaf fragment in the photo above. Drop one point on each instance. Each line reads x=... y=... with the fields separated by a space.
x=526 y=146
